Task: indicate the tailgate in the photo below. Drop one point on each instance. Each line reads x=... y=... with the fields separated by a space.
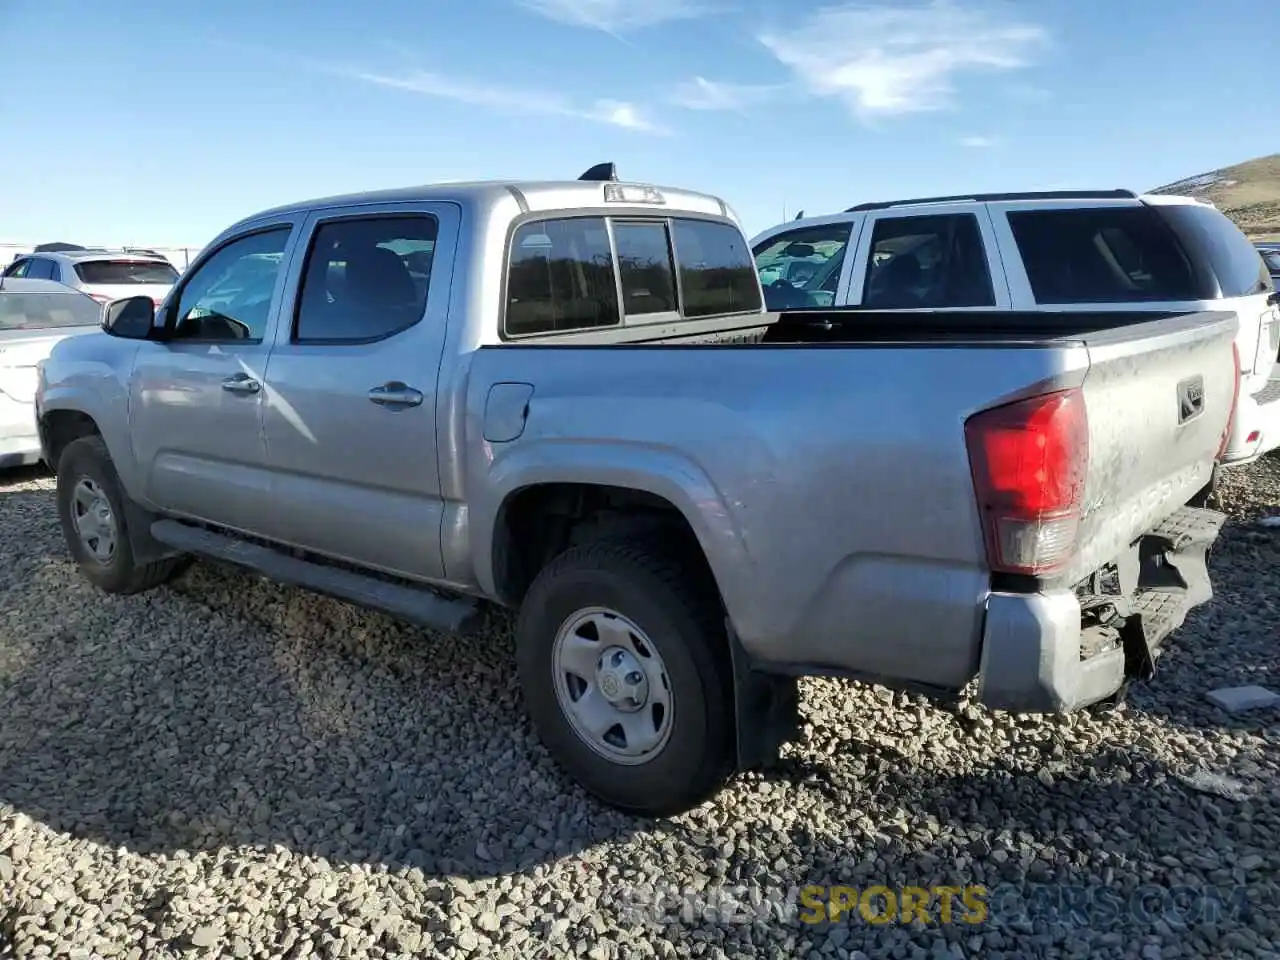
x=1159 y=397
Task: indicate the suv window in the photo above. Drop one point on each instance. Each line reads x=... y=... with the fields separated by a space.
x=228 y=296
x=1210 y=234
x=801 y=268
x=18 y=268
x=41 y=311
x=125 y=271
x=717 y=272
x=40 y=269
x=927 y=261
x=561 y=277
x=1102 y=255
x=366 y=279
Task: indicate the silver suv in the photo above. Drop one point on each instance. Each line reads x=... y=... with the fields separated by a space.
x=102 y=274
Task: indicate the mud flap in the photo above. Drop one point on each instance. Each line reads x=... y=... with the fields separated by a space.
x=766 y=708
x=1173 y=579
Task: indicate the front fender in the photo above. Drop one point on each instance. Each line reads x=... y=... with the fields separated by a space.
x=93 y=380
x=653 y=469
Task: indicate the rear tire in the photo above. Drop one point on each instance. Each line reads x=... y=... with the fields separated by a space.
x=668 y=637
x=92 y=508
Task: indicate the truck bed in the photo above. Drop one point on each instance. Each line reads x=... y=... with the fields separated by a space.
x=861 y=419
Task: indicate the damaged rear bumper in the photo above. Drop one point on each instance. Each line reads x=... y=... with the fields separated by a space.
x=1035 y=658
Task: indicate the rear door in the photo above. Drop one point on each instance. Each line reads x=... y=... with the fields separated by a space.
x=928 y=258
x=350 y=415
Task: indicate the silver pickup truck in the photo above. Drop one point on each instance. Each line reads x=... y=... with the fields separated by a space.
x=568 y=399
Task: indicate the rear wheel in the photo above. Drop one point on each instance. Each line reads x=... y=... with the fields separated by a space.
x=625 y=673
x=91 y=506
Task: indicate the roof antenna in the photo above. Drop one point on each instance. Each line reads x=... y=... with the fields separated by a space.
x=800 y=215
x=601 y=171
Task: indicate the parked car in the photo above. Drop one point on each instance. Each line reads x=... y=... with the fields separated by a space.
x=34 y=315
x=1108 y=250
x=102 y=274
x=1271 y=257
x=580 y=409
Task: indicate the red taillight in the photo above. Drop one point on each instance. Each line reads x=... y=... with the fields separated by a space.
x=1235 y=400
x=1029 y=461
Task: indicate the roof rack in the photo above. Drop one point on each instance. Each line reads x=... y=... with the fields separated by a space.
x=998 y=197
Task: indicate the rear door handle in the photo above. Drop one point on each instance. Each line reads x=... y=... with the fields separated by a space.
x=395 y=394
x=241 y=383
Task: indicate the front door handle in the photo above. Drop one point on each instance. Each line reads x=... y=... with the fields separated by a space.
x=241 y=383
x=395 y=394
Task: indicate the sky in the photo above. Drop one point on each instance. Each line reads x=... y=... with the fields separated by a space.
x=160 y=124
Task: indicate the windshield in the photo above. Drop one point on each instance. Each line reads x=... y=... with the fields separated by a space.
x=42 y=311
x=126 y=271
x=1272 y=258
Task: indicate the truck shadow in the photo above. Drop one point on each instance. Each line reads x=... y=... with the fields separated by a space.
x=225 y=711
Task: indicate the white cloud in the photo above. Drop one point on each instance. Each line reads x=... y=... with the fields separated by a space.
x=617 y=16
x=702 y=94
x=617 y=113
x=978 y=142
x=887 y=60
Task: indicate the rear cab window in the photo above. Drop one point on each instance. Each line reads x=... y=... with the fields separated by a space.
x=1106 y=254
x=46 y=311
x=112 y=272
x=573 y=274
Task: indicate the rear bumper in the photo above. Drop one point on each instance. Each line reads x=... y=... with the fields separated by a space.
x=1032 y=660
x=1256 y=428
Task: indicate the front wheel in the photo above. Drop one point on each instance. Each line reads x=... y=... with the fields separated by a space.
x=91 y=506
x=625 y=672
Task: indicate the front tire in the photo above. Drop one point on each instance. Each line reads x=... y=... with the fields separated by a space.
x=91 y=507
x=625 y=671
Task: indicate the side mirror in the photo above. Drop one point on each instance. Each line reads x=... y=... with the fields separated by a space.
x=131 y=318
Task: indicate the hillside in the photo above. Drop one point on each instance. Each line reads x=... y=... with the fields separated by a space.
x=1249 y=193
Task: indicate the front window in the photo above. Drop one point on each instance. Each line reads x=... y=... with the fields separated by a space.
x=124 y=272
x=801 y=268
x=228 y=297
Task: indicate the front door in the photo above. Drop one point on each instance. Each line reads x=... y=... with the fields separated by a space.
x=350 y=409
x=196 y=397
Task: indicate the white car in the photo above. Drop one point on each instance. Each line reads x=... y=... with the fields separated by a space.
x=34 y=315
x=104 y=275
x=1041 y=252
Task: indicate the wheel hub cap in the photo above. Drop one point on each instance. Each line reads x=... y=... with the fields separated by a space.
x=612 y=685
x=94 y=520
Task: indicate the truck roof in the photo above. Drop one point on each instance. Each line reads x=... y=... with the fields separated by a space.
x=530 y=195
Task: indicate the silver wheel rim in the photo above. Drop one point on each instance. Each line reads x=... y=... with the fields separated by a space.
x=612 y=686
x=94 y=520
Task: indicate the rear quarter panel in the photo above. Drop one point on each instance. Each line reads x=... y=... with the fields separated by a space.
x=829 y=487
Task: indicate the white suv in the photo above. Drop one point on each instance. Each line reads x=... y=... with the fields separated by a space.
x=103 y=274
x=1107 y=250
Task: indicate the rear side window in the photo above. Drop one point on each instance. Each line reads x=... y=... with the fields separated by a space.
x=40 y=269
x=1103 y=255
x=43 y=311
x=932 y=261
x=717 y=272
x=1209 y=234
x=366 y=279
x=584 y=273
x=125 y=272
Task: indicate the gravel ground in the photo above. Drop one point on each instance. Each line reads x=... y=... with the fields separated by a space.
x=227 y=767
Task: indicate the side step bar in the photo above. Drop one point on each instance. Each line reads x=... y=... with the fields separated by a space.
x=420 y=606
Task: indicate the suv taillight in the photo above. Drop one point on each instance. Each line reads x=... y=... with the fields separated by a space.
x=1235 y=400
x=1029 y=461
